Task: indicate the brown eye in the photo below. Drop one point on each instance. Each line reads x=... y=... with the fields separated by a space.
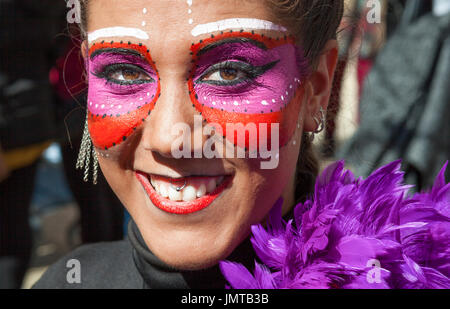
x=225 y=75
x=129 y=75
x=229 y=74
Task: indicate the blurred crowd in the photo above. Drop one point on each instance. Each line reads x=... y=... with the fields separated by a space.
x=41 y=104
x=390 y=100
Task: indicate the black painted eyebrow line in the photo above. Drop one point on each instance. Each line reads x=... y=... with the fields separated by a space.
x=121 y=51
x=231 y=40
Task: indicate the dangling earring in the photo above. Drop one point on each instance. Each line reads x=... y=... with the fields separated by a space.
x=84 y=156
x=320 y=124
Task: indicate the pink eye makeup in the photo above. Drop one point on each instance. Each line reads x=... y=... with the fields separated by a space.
x=241 y=77
x=124 y=86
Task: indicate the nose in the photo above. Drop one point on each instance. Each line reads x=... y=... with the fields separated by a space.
x=172 y=108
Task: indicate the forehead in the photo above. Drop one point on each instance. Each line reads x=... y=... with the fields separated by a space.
x=172 y=19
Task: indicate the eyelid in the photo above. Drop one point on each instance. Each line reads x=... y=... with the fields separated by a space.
x=228 y=65
x=104 y=56
x=227 y=41
x=253 y=71
x=107 y=69
x=117 y=51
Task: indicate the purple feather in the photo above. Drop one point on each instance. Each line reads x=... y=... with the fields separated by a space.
x=354 y=233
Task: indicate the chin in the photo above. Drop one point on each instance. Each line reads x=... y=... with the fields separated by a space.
x=192 y=250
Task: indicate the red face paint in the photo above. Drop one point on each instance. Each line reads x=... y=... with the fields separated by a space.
x=124 y=86
x=268 y=71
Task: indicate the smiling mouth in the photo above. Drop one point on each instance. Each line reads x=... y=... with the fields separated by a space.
x=183 y=195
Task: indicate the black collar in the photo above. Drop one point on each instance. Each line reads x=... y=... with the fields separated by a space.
x=158 y=275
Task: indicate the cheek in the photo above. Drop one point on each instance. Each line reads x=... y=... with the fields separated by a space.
x=262 y=188
x=109 y=131
x=286 y=118
x=121 y=182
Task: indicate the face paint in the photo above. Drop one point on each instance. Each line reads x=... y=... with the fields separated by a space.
x=236 y=23
x=144 y=11
x=241 y=77
x=117 y=32
x=123 y=88
x=189 y=3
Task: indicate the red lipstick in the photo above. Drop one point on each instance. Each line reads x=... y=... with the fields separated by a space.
x=176 y=207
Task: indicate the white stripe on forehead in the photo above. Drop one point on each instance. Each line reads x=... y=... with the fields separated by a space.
x=236 y=23
x=117 y=32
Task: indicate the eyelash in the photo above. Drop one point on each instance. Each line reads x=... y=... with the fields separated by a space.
x=107 y=70
x=251 y=72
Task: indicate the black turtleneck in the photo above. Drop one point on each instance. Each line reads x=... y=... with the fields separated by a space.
x=130 y=264
x=158 y=275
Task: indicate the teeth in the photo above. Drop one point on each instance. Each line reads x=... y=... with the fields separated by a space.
x=163 y=190
x=152 y=181
x=175 y=195
x=201 y=191
x=189 y=194
x=211 y=185
x=195 y=188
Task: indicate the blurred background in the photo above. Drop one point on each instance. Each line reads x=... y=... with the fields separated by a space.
x=390 y=100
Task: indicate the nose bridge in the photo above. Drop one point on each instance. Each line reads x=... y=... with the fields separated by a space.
x=173 y=107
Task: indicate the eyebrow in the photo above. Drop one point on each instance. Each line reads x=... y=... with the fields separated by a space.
x=236 y=23
x=117 y=32
x=119 y=50
x=241 y=40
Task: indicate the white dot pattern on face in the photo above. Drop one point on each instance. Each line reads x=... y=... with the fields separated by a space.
x=144 y=11
x=263 y=102
x=189 y=3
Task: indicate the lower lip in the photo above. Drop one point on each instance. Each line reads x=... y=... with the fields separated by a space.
x=181 y=208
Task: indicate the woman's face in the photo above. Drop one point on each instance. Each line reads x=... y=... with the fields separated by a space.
x=162 y=67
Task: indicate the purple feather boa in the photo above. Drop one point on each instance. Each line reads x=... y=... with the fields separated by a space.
x=354 y=233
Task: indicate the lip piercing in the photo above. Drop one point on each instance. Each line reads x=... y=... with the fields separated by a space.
x=179 y=188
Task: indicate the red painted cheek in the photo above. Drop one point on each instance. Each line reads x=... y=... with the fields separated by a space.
x=286 y=118
x=107 y=132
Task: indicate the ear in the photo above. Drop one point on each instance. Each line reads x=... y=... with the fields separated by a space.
x=318 y=86
x=84 y=49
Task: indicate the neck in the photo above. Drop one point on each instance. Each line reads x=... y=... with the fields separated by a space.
x=289 y=196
